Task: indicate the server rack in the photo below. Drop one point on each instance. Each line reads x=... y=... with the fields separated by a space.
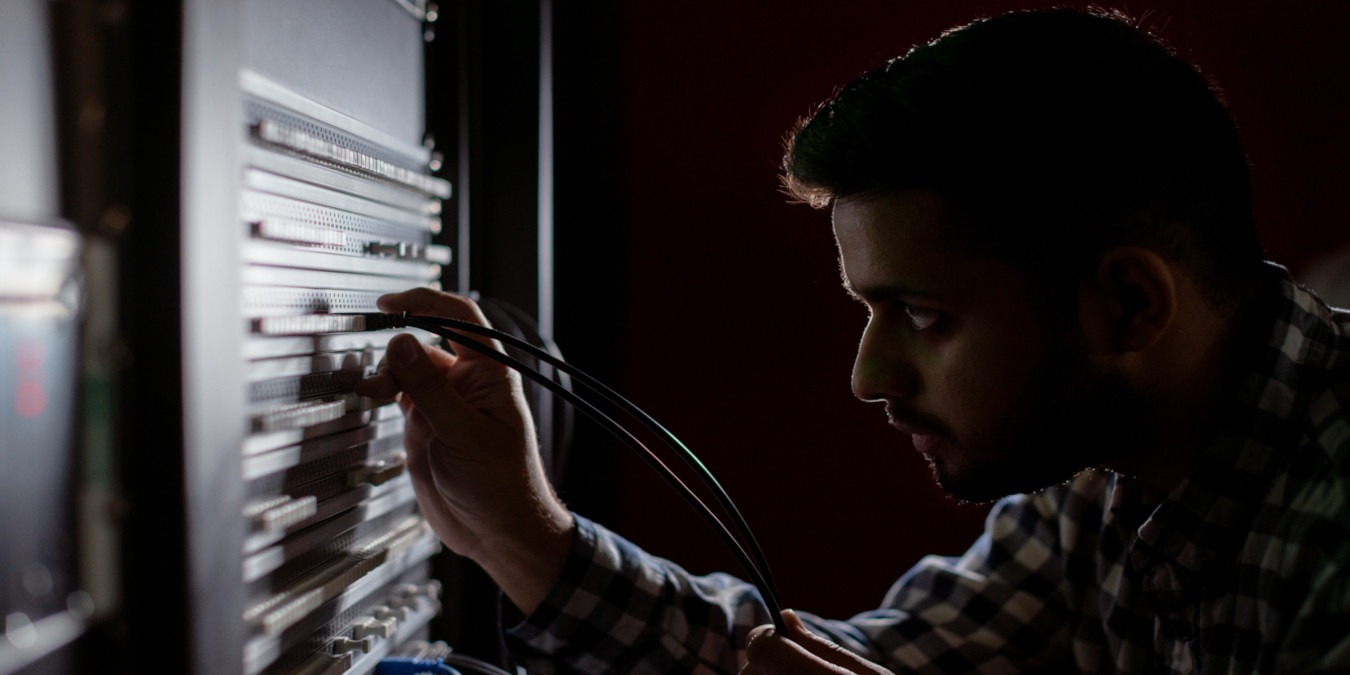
x=242 y=175
x=333 y=205
x=247 y=172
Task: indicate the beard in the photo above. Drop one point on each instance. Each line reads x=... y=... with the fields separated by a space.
x=1072 y=417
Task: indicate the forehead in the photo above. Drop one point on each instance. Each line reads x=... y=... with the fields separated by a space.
x=904 y=233
x=908 y=244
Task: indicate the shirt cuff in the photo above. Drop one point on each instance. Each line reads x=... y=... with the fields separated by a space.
x=576 y=621
x=580 y=559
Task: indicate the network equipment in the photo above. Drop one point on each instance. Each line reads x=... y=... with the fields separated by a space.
x=335 y=212
x=196 y=197
x=263 y=169
x=336 y=207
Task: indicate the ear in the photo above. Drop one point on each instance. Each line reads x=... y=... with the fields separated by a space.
x=1131 y=300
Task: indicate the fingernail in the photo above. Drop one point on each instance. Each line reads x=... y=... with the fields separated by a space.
x=404 y=351
x=790 y=617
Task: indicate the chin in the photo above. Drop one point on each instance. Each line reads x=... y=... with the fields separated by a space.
x=989 y=483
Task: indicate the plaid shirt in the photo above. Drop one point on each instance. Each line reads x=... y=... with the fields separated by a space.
x=1243 y=568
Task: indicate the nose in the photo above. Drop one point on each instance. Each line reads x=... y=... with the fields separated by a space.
x=883 y=369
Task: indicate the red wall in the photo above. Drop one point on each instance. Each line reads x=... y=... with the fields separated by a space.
x=736 y=332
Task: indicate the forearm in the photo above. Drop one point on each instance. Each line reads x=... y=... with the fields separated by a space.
x=526 y=560
x=616 y=608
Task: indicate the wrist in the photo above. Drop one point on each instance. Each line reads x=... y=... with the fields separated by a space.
x=526 y=557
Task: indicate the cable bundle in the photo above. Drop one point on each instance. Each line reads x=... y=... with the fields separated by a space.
x=749 y=554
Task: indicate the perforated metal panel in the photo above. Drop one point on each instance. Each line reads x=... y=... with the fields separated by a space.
x=333 y=204
x=246 y=174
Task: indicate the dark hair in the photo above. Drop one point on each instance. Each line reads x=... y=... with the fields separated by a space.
x=1054 y=135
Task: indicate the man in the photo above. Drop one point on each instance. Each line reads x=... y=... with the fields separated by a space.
x=1047 y=216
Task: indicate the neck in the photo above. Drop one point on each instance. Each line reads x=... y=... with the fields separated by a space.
x=1189 y=381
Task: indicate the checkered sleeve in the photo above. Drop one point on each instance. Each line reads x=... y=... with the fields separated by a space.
x=1307 y=553
x=619 y=609
x=1319 y=641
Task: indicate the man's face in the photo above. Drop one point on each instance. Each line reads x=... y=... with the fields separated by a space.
x=996 y=400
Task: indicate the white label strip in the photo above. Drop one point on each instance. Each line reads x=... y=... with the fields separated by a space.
x=278 y=229
x=291 y=138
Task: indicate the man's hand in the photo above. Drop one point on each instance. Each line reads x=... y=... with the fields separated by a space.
x=472 y=452
x=768 y=653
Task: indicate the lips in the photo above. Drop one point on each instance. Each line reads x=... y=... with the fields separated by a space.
x=925 y=443
x=924 y=433
x=912 y=423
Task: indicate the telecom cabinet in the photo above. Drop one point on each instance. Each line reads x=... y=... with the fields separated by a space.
x=307 y=193
x=248 y=174
x=198 y=197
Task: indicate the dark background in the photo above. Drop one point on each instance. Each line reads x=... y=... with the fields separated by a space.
x=686 y=279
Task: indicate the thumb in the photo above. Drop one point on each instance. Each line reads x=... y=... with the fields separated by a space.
x=411 y=367
x=824 y=649
x=421 y=379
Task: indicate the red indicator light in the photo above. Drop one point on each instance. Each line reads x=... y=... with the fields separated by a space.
x=30 y=396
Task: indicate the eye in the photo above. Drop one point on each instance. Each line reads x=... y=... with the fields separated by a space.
x=921 y=317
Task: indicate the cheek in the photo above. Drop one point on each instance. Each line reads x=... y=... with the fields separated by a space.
x=963 y=388
x=989 y=385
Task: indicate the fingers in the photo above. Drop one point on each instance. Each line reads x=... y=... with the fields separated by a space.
x=428 y=302
x=824 y=649
x=381 y=387
x=418 y=443
x=769 y=653
x=800 y=652
x=414 y=371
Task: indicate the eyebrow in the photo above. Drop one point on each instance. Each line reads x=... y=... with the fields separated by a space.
x=880 y=292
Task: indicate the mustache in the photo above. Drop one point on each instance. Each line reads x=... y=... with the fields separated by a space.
x=916 y=419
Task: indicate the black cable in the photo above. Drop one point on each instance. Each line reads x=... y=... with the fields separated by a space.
x=434 y=325
x=562 y=431
x=614 y=397
x=521 y=325
x=671 y=478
